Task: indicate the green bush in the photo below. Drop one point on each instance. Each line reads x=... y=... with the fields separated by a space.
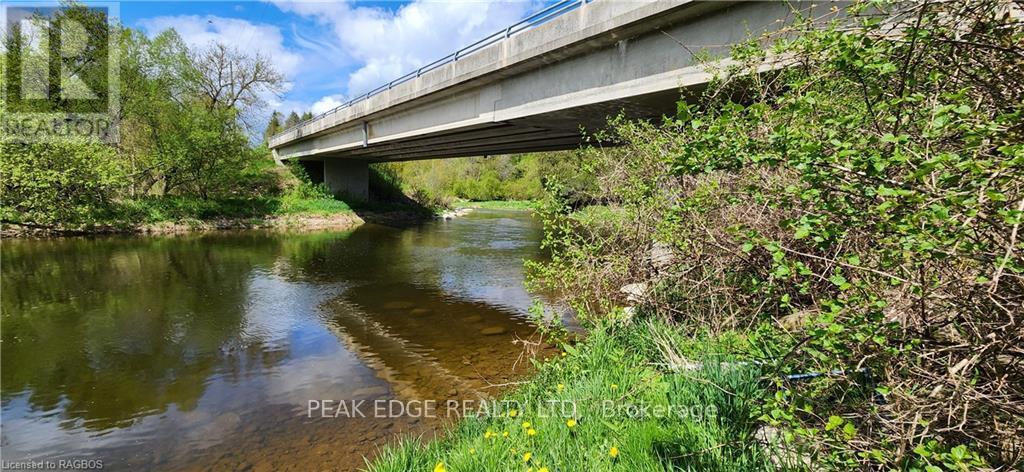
x=65 y=182
x=861 y=209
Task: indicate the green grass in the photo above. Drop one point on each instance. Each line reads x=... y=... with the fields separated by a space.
x=602 y=376
x=312 y=206
x=180 y=209
x=496 y=204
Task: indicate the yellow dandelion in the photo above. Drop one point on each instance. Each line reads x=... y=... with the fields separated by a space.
x=488 y=434
x=440 y=467
x=531 y=432
x=561 y=387
x=527 y=456
x=563 y=354
x=512 y=413
x=570 y=422
x=504 y=434
x=472 y=450
x=614 y=452
x=615 y=386
x=526 y=424
x=542 y=469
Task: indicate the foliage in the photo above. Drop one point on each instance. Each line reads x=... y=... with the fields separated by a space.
x=507 y=177
x=181 y=135
x=860 y=208
x=47 y=183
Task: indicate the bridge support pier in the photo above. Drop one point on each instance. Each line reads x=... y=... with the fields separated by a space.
x=348 y=178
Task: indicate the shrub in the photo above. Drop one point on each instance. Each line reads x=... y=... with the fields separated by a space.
x=65 y=182
x=863 y=208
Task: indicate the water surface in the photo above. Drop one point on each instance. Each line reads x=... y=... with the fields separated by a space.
x=203 y=351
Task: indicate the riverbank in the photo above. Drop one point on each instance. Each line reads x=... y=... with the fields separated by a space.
x=182 y=215
x=623 y=399
x=496 y=204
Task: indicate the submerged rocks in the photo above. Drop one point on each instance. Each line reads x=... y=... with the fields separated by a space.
x=398 y=305
x=493 y=331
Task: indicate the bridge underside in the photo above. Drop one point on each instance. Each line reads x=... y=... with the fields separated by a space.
x=539 y=90
x=554 y=131
x=345 y=171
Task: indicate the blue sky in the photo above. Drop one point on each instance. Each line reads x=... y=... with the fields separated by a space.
x=330 y=50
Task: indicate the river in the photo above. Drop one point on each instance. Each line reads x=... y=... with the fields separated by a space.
x=204 y=351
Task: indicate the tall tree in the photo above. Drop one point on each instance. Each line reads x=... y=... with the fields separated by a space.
x=229 y=78
x=274 y=126
x=292 y=120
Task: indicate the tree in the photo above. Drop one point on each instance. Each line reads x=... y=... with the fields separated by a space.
x=229 y=78
x=274 y=126
x=307 y=116
x=292 y=120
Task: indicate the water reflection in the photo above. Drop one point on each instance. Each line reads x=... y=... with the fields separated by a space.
x=152 y=351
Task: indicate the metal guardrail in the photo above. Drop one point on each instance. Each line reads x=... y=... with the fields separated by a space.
x=552 y=11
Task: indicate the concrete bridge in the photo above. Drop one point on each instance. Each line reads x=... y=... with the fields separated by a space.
x=534 y=85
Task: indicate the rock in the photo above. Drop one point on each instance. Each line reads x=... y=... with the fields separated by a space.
x=493 y=330
x=634 y=292
x=797 y=320
x=661 y=256
x=472 y=318
x=450 y=214
x=419 y=311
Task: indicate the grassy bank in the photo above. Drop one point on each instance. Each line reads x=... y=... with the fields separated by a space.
x=182 y=214
x=615 y=401
x=496 y=204
x=177 y=209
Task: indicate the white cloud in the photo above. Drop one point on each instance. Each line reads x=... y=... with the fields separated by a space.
x=248 y=37
x=349 y=49
x=327 y=103
x=386 y=44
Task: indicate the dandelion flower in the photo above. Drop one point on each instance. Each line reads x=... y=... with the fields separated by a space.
x=440 y=467
x=504 y=434
x=561 y=387
x=542 y=469
x=614 y=452
x=563 y=354
x=488 y=434
x=527 y=456
x=472 y=450
x=571 y=422
x=526 y=424
x=531 y=432
x=513 y=413
x=615 y=386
